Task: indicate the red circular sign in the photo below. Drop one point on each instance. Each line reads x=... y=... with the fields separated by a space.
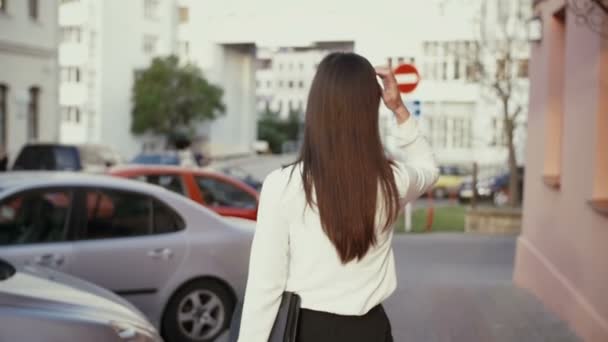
x=407 y=78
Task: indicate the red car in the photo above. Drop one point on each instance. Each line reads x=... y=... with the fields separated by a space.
x=224 y=195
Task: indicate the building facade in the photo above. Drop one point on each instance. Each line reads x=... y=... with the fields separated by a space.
x=99 y=60
x=284 y=76
x=561 y=253
x=28 y=73
x=462 y=119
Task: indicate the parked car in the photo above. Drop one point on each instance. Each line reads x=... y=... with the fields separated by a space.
x=181 y=264
x=174 y=158
x=449 y=181
x=242 y=175
x=495 y=189
x=225 y=195
x=61 y=157
x=38 y=304
x=484 y=190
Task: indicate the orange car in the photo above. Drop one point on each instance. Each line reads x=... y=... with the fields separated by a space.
x=224 y=195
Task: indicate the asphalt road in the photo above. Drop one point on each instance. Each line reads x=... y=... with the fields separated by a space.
x=458 y=288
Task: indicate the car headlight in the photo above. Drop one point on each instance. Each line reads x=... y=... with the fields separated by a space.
x=129 y=333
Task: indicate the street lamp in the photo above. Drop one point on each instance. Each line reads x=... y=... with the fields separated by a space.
x=535 y=29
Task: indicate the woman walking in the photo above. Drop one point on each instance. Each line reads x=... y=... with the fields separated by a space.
x=324 y=227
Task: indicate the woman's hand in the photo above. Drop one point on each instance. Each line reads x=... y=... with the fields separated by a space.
x=390 y=94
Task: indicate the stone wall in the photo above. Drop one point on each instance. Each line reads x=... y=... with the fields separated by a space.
x=493 y=220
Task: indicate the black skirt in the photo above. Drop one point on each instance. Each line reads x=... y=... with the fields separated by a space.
x=316 y=326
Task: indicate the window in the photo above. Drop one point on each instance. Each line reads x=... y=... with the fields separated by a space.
x=71 y=34
x=149 y=44
x=501 y=69
x=165 y=219
x=444 y=71
x=184 y=48
x=184 y=15
x=438 y=126
x=461 y=132
x=471 y=74
x=71 y=75
x=170 y=182
x=3 y=6
x=599 y=197
x=456 y=68
x=280 y=84
x=33 y=9
x=301 y=66
x=301 y=84
x=268 y=84
x=498 y=132
x=554 y=113
x=3 y=115
x=33 y=114
x=400 y=60
x=522 y=68
x=35 y=217
x=217 y=193
x=151 y=9
x=71 y=114
x=116 y=214
x=66 y=158
x=290 y=84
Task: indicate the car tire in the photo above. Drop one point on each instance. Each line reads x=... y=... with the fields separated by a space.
x=207 y=302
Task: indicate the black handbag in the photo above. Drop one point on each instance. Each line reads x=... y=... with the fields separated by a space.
x=285 y=327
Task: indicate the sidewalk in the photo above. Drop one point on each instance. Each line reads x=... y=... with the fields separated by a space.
x=457 y=288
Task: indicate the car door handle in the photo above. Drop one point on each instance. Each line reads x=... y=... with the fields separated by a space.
x=50 y=260
x=161 y=253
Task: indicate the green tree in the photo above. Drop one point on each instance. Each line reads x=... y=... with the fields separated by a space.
x=169 y=98
x=277 y=131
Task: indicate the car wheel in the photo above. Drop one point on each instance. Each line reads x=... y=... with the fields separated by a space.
x=200 y=311
x=440 y=193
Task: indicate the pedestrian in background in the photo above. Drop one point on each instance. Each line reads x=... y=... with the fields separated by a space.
x=324 y=228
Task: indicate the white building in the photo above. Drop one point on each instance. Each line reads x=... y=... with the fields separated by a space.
x=105 y=43
x=463 y=121
x=284 y=75
x=28 y=73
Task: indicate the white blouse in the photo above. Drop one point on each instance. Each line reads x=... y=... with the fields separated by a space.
x=291 y=252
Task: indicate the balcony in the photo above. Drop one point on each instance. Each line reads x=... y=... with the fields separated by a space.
x=72 y=94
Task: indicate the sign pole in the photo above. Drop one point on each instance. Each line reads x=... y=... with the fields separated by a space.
x=408 y=217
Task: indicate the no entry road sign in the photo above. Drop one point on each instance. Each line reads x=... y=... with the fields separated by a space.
x=407 y=78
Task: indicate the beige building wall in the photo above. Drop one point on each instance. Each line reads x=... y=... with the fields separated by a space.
x=562 y=254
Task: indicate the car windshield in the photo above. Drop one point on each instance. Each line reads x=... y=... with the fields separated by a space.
x=158 y=159
x=6 y=270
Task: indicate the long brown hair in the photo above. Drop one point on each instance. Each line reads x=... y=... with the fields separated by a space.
x=343 y=160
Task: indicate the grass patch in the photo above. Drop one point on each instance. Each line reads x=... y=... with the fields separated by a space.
x=445 y=219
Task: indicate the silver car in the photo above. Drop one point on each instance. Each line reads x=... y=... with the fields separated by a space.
x=39 y=305
x=182 y=265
